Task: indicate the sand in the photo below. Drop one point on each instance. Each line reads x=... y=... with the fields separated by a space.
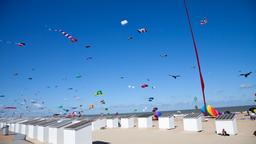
x=154 y=135
x=246 y=127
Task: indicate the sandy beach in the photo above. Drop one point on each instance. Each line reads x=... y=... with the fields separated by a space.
x=154 y=135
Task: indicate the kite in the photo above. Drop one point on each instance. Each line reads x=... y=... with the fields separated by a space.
x=89 y=58
x=210 y=110
x=99 y=93
x=9 y=107
x=70 y=88
x=130 y=86
x=144 y=86
x=150 y=99
x=20 y=44
x=1 y=96
x=70 y=37
x=142 y=30
x=60 y=107
x=78 y=76
x=175 y=76
x=130 y=37
x=122 y=77
x=153 y=87
x=204 y=21
x=91 y=107
x=245 y=74
x=30 y=78
x=106 y=109
x=163 y=55
x=124 y=22
x=102 y=102
x=15 y=74
x=87 y=46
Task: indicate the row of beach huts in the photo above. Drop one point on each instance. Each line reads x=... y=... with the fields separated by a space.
x=79 y=130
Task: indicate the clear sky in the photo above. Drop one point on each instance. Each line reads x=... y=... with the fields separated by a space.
x=226 y=44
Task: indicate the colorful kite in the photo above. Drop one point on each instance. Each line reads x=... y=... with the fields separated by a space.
x=211 y=111
x=99 y=93
x=144 y=86
x=70 y=37
x=20 y=44
x=91 y=107
x=142 y=30
x=204 y=21
x=9 y=107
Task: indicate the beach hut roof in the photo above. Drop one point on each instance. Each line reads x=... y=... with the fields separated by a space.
x=166 y=115
x=145 y=115
x=47 y=122
x=193 y=115
x=61 y=123
x=30 y=121
x=226 y=117
x=79 y=125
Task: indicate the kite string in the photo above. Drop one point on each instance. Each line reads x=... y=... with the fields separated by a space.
x=197 y=57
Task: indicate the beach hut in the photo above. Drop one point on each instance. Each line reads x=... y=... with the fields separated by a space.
x=127 y=121
x=145 y=121
x=78 y=133
x=99 y=123
x=24 y=126
x=32 y=129
x=112 y=122
x=193 y=122
x=166 y=121
x=56 y=131
x=43 y=130
x=18 y=125
x=12 y=124
x=226 y=122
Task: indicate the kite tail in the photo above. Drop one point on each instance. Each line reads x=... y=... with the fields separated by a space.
x=197 y=57
x=70 y=37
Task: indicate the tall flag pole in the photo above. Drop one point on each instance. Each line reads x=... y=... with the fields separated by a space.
x=197 y=57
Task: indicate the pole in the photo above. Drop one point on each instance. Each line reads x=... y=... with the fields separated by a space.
x=197 y=57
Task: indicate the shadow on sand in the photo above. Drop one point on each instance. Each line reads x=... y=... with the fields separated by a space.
x=100 y=142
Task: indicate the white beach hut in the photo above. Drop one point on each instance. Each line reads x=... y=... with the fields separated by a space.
x=78 y=133
x=166 y=121
x=99 y=123
x=56 y=131
x=112 y=122
x=18 y=126
x=193 y=122
x=43 y=130
x=24 y=126
x=32 y=129
x=226 y=122
x=145 y=121
x=127 y=121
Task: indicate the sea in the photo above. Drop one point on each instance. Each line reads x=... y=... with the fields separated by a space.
x=187 y=111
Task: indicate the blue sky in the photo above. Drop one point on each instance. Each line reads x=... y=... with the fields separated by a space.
x=226 y=45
